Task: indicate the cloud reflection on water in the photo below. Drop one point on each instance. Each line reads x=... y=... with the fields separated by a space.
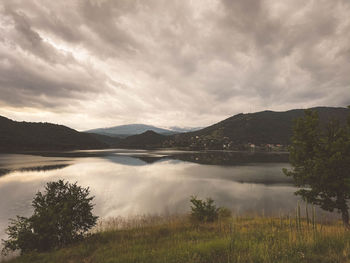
x=157 y=183
x=127 y=186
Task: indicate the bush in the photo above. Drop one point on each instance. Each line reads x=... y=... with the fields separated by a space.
x=206 y=211
x=203 y=211
x=62 y=215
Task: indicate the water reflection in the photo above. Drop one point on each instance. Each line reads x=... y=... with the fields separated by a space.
x=43 y=168
x=232 y=157
x=140 y=182
x=134 y=160
x=203 y=157
x=20 y=162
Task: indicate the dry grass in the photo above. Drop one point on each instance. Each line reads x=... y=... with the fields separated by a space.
x=177 y=239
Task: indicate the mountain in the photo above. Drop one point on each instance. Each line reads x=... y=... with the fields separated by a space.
x=148 y=139
x=264 y=129
x=239 y=132
x=260 y=128
x=123 y=131
x=28 y=136
x=177 y=129
x=110 y=141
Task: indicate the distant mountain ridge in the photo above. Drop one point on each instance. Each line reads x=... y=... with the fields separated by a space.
x=184 y=129
x=242 y=131
x=239 y=132
x=123 y=131
x=28 y=136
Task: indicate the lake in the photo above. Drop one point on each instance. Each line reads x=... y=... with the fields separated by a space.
x=134 y=182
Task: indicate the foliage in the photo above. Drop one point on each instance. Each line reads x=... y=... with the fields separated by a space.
x=224 y=213
x=238 y=240
x=321 y=163
x=62 y=215
x=24 y=136
x=20 y=235
x=259 y=128
x=204 y=211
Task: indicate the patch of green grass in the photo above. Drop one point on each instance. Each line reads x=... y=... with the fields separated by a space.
x=232 y=240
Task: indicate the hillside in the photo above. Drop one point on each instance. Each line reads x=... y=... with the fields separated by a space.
x=28 y=136
x=148 y=139
x=110 y=141
x=260 y=128
x=241 y=131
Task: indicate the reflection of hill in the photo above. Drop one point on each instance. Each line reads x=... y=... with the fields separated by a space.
x=42 y=168
x=134 y=160
x=210 y=158
x=125 y=160
x=262 y=173
x=152 y=159
x=254 y=175
x=4 y=171
x=231 y=158
x=130 y=157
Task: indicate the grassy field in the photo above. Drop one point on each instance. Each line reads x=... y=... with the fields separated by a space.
x=177 y=239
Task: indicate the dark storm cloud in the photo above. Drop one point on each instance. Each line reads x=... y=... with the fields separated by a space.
x=191 y=62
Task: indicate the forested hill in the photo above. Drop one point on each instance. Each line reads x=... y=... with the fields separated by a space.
x=148 y=139
x=239 y=132
x=266 y=127
x=28 y=136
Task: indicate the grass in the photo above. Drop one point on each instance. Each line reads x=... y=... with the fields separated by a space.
x=177 y=239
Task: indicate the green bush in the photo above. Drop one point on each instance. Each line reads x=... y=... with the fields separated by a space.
x=62 y=215
x=203 y=211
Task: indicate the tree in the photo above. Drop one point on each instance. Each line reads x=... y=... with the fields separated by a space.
x=62 y=215
x=320 y=159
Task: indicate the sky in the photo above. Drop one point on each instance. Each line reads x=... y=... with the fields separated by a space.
x=99 y=63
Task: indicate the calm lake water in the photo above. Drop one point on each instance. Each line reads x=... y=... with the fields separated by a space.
x=131 y=182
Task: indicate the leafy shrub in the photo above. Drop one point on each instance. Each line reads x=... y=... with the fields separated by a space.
x=62 y=215
x=203 y=211
x=206 y=211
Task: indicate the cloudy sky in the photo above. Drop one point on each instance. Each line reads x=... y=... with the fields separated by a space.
x=99 y=63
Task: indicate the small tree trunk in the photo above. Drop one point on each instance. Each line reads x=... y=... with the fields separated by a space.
x=345 y=217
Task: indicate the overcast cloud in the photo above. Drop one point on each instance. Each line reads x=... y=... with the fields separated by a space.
x=98 y=63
